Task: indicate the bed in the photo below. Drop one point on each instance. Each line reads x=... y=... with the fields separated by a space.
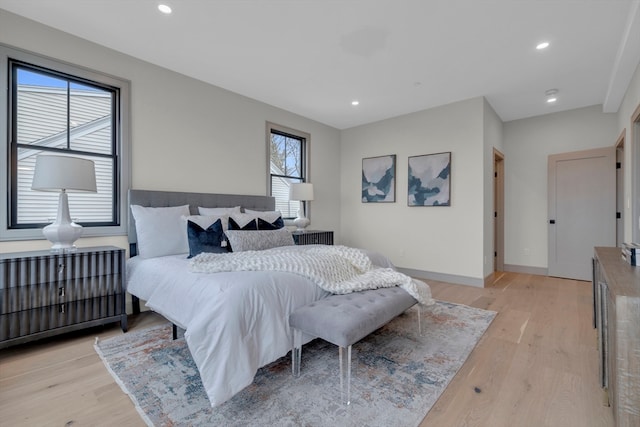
x=235 y=321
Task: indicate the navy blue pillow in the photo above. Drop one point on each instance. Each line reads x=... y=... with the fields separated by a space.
x=251 y=225
x=209 y=240
x=266 y=225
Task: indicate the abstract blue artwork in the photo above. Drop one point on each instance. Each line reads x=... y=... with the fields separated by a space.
x=379 y=179
x=430 y=180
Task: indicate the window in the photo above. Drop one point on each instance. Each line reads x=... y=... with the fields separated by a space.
x=55 y=108
x=288 y=163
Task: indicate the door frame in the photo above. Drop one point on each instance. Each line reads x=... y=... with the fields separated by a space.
x=498 y=210
x=635 y=169
x=620 y=154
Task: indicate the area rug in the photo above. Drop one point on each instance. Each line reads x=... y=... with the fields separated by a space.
x=397 y=376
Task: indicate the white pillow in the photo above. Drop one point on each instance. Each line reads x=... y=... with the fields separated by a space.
x=269 y=216
x=161 y=231
x=205 y=221
x=218 y=211
x=249 y=240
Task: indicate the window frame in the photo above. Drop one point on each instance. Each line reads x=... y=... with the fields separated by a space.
x=305 y=160
x=121 y=151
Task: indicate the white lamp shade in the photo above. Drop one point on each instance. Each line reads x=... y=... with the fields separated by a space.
x=301 y=191
x=56 y=173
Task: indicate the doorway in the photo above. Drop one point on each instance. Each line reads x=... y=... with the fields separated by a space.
x=634 y=141
x=498 y=210
x=581 y=209
x=620 y=189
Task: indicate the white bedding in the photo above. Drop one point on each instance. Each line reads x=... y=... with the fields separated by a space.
x=235 y=322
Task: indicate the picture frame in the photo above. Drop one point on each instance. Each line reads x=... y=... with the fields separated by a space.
x=429 y=180
x=379 y=179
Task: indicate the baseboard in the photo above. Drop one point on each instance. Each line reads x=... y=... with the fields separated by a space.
x=471 y=281
x=442 y=277
x=525 y=269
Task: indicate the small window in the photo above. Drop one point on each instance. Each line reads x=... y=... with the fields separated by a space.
x=59 y=109
x=288 y=150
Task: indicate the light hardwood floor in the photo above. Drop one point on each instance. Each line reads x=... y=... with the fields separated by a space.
x=535 y=366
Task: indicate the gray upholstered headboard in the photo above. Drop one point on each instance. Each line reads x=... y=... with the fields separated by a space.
x=150 y=198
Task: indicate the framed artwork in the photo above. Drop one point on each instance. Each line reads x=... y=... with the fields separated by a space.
x=429 y=180
x=379 y=179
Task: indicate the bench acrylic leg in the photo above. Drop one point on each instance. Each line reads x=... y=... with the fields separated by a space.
x=419 y=320
x=345 y=374
x=296 y=352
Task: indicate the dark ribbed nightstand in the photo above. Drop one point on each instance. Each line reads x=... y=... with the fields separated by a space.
x=313 y=237
x=44 y=293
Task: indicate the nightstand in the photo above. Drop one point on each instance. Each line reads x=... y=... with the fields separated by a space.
x=313 y=237
x=44 y=293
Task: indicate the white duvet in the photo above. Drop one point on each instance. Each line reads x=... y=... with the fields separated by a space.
x=336 y=269
x=235 y=322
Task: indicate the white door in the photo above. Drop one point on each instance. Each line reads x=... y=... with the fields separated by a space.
x=582 y=209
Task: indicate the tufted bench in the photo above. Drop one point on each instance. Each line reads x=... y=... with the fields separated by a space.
x=344 y=320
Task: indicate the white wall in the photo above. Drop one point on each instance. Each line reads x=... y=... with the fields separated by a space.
x=527 y=145
x=493 y=138
x=446 y=240
x=187 y=135
x=191 y=136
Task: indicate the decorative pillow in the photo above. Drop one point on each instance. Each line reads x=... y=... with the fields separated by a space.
x=205 y=240
x=243 y=222
x=218 y=211
x=205 y=221
x=160 y=231
x=267 y=220
x=259 y=240
x=266 y=225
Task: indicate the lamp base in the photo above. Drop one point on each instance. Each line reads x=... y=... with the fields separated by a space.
x=63 y=231
x=301 y=222
x=62 y=235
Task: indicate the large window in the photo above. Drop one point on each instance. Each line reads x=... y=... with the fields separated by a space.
x=288 y=163
x=58 y=109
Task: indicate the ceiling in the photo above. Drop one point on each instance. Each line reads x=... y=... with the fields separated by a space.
x=314 y=57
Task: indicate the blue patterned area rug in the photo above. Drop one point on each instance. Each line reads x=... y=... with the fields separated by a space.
x=397 y=375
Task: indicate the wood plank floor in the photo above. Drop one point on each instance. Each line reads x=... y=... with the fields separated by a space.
x=535 y=366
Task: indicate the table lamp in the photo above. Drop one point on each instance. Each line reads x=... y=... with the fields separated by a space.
x=302 y=191
x=63 y=174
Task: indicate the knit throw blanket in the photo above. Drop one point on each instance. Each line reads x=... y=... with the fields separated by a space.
x=336 y=269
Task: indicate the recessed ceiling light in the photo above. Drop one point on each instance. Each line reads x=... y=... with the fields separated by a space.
x=356 y=102
x=552 y=100
x=542 y=45
x=551 y=95
x=164 y=9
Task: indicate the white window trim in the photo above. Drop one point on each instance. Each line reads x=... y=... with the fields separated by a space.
x=123 y=150
x=307 y=159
